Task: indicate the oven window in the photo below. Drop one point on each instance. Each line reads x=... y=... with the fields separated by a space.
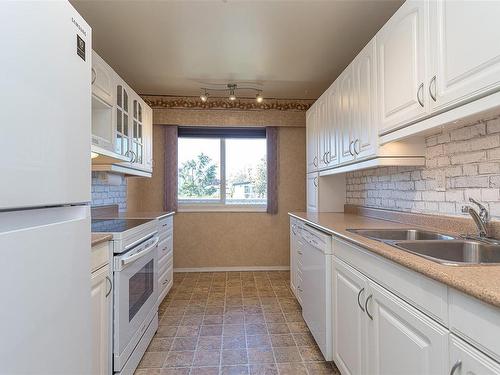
x=140 y=287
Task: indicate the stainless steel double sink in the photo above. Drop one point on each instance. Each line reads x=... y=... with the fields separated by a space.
x=437 y=247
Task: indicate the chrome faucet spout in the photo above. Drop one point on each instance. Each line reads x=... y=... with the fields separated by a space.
x=479 y=220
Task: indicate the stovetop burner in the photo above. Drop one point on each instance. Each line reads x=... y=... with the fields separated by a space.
x=116 y=225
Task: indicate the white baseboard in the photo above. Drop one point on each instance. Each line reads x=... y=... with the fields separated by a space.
x=233 y=269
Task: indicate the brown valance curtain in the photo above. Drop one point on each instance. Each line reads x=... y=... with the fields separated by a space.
x=272 y=169
x=170 y=199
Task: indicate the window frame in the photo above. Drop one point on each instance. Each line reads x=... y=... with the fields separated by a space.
x=220 y=205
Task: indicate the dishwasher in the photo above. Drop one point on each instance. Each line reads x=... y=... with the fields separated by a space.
x=317 y=287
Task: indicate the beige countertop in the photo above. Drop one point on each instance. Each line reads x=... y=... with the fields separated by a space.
x=482 y=282
x=98 y=238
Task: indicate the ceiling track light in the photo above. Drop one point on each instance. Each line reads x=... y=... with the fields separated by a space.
x=231 y=88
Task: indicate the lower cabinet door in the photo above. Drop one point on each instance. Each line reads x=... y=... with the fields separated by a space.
x=466 y=360
x=349 y=319
x=401 y=339
x=101 y=321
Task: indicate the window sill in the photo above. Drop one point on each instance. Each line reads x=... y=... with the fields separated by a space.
x=220 y=208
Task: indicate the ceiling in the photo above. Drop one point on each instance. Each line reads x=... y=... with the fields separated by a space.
x=291 y=49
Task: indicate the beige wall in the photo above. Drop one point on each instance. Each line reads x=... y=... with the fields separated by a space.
x=229 y=239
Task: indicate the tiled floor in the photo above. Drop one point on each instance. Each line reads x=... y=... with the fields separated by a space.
x=232 y=323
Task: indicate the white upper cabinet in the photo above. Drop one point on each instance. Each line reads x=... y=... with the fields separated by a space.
x=148 y=137
x=322 y=131
x=365 y=129
x=465 y=51
x=401 y=58
x=402 y=340
x=102 y=79
x=345 y=116
x=312 y=138
x=332 y=131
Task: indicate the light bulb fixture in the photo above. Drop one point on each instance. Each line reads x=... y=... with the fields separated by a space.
x=230 y=88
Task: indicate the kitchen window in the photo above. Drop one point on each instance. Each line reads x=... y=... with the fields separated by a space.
x=222 y=169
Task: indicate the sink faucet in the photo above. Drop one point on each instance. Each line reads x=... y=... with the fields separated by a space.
x=481 y=219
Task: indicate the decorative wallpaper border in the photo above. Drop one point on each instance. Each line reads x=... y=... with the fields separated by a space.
x=243 y=104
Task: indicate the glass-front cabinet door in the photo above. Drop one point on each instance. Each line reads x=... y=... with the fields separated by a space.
x=137 y=133
x=122 y=138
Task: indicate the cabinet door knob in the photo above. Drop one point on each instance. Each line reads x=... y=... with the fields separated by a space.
x=315 y=181
x=431 y=83
x=327 y=156
x=366 y=306
x=350 y=148
x=315 y=161
x=419 y=93
x=359 y=303
x=94 y=75
x=455 y=367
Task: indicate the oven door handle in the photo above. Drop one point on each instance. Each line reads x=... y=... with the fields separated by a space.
x=141 y=253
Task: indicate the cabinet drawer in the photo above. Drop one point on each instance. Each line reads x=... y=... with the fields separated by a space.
x=165 y=280
x=468 y=360
x=164 y=263
x=477 y=322
x=426 y=294
x=99 y=256
x=165 y=248
x=166 y=226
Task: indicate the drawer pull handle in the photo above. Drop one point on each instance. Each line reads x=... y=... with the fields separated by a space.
x=166 y=282
x=366 y=306
x=359 y=295
x=420 y=89
x=455 y=367
x=299 y=252
x=300 y=289
x=110 y=286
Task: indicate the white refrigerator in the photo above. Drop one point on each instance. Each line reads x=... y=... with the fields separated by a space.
x=45 y=122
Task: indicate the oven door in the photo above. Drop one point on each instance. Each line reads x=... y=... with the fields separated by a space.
x=136 y=292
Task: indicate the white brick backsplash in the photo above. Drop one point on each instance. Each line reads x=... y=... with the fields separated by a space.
x=105 y=193
x=467 y=157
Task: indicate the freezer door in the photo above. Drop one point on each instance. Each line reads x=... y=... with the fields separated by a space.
x=45 y=98
x=45 y=291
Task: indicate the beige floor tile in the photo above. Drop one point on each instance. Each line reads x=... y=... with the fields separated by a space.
x=292 y=369
x=211 y=330
x=204 y=371
x=234 y=370
x=311 y=354
x=260 y=355
x=207 y=358
x=321 y=368
x=233 y=330
x=179 y=359
x=234 y=357
x=175 y=371
x=259 y=341
x=255 y=329
x=160 y=344
x=209 y=343
x=184 y=343
x=287 y=354
x=264 y=369
x=152 y=359
x=234 y=342
x=188 y=331
x=282 y=340
x=277 y=328
x=166 y=331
